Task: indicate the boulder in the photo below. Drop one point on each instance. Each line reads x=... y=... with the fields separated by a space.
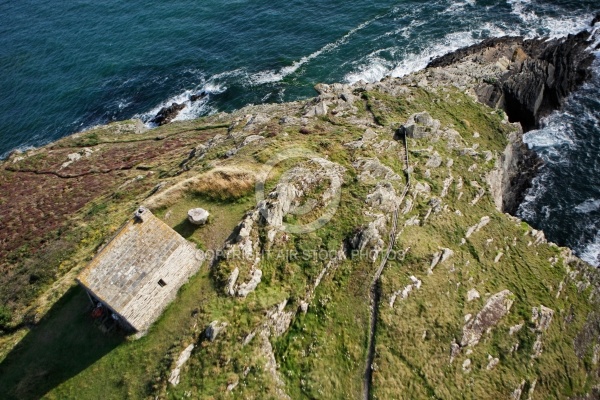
x=167 y=114
x=472 y=294
x=496 y=307
x=251 y=138
x=213 y=330
x=419 y=126
x=435 y=160
x=198 y=96
x=542 y=317
x=198 y=216
x=183 y=358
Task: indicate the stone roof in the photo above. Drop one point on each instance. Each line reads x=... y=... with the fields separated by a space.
x=138 y=273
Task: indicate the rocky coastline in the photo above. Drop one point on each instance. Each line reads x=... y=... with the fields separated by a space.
x=469 y=301
x=535 y=78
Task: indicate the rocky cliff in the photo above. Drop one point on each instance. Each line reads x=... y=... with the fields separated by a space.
x=359 y=245
x=528 y=79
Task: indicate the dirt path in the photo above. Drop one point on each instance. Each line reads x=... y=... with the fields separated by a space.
x=375 y=290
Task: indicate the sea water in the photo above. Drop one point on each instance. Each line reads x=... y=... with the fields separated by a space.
x=67 y=65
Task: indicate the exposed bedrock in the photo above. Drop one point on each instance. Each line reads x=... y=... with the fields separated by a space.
x=167 y=114
x=540 y=73
x=530 y=79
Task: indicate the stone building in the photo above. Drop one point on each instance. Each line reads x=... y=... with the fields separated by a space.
x=138 y=273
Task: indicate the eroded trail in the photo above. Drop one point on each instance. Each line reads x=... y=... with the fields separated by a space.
x=375 y=289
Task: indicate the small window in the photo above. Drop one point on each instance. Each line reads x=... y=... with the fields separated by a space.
x=162 y=283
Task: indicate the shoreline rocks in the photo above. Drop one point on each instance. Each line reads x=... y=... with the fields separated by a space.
x=167 y=114
x=528 y=79
x=538 y=74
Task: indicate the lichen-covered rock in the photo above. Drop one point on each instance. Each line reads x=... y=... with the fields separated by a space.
x=492 y=362
x=369 y=241
x=373 y=171
x=477 y=227
x=231 y=281
x=198 y=216
x=542 y=317
x=472 y=294
x=213 y=329
x=246 y=288
x=492 y=312
x=167 y=114
x=183 y=358
x=383 y=198
x=420 y=125
x=435 y=160
x=251 y=139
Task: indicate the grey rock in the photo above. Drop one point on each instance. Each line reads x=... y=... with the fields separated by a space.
x=246 y=288
x=252 y=138
x=419 y=126
x=214 y=329
x=435 y=160
x=542 y=317
x=232 y=280
x=496 y=307
x=183 y=358
x=198 y=216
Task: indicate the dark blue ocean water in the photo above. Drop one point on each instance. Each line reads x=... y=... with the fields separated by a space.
x=68 y=65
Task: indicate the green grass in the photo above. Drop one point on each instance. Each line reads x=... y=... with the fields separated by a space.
x=322 y=354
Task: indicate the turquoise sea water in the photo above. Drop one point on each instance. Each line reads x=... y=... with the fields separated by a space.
x=69 y=65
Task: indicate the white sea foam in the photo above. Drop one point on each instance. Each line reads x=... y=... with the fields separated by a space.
x=539 y=186
x=193 y=109
x=519 y=8
x=458 y=6
x=591 y=252
x=271 y=76
x=588 y=206
x=375 y=68
x=555 y=133
x=22 y=149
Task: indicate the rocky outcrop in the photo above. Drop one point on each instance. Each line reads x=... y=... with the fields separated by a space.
x=515 y=169
x=167 y=114
x=419 y=126
x=528 y=79
x=496 y=307
x=537 y=76
x=213 y=330
x=248 y=287
x=183 y=358
x=477 y=227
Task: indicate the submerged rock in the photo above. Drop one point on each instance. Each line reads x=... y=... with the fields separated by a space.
x=167 y=114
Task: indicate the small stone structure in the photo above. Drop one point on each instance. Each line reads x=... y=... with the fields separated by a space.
x=138 y=273
x=198 y=216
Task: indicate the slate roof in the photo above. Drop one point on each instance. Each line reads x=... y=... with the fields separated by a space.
x=138 y=273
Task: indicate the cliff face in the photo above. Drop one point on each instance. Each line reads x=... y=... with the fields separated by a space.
x=528 y=79
x=358 y=241
x=538 y=73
